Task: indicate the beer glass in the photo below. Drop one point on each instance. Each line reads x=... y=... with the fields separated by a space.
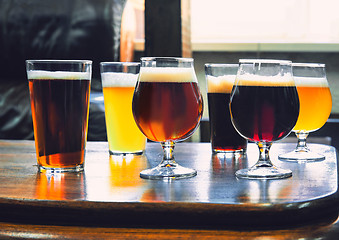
x=118 y=83
x=59 y=95
x=167 y=107
x=264 y=108
x=315 y=108
x=220 y=79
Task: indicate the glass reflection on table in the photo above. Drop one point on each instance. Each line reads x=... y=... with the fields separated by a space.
x=60 y=186
x=117 y=180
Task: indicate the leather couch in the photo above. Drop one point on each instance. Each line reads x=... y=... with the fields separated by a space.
x=50 y=29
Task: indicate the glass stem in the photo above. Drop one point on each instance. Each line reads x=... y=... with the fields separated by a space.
x=301 y=146
x=168 y=160
x=264 y=157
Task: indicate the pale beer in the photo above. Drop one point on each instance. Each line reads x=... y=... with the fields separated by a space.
x=122 y=132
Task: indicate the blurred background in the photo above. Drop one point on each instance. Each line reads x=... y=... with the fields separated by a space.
x=214 y=31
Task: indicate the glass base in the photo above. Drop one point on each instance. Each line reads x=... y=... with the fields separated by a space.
x=125 y=153
x=301 y=156
x=263 y=172
x=168 y=171
x=228 y=151
x=48 y=170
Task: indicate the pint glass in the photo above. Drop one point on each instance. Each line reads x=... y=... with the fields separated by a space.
x=220 y=79
x=59 y=95
x=118 y=83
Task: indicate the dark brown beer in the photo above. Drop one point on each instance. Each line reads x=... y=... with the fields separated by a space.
x=223 y=135
x=265 y=113
x=167 y=110
x=60 y=118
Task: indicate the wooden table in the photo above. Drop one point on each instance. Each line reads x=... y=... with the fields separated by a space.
x=109 y=200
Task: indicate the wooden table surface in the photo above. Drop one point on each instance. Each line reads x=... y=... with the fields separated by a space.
x=109 y=199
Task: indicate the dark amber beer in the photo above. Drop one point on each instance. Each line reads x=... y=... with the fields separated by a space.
x=220 y=79
x=60 y=106
x=264 y=108
x=265 y=113
x=166 y=110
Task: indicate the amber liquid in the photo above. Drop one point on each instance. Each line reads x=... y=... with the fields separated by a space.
x=60 y=119
x=315 y=108
x=167 y=111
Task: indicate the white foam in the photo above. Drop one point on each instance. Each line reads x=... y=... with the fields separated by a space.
x=48 y=75
x=221 y=84
x=167 y=74
x=257 y=80
x=311 y=82
x=113 y=79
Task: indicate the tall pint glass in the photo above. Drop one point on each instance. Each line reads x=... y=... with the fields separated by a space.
x=118 y=83
x=59 y=94
x=220 y=79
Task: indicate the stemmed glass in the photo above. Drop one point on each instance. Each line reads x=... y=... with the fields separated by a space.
x=264 y=108
x=167 y=107
x=315 y=108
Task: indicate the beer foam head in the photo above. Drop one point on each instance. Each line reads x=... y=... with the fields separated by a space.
x=167 y=74
x=118 y=79
x=221 y=84
x=48 y=75
x=258 y=80
x=311 y=82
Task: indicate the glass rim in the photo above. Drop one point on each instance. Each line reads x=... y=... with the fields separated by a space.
x=308 y=64
x=219 y=65
x=182 y=59
x=277 y=61
x=58 y=61
x=120 y=63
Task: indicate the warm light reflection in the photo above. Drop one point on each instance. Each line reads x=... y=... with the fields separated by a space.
x=60 y=186
x=125 y=170
x=228 y=163
x=125 y=181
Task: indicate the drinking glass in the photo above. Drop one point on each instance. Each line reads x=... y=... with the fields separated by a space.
x=220 y=79
x=118 y=83
x=59 y=95
x=167 y=107
x=264 y=108
x=315 y=108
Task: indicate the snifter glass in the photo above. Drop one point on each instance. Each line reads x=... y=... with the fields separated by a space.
x=264 y=108
x=315 y=108
x=167 y=107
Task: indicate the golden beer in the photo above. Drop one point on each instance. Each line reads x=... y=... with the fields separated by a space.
x=315 y=103
x=122 y=132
